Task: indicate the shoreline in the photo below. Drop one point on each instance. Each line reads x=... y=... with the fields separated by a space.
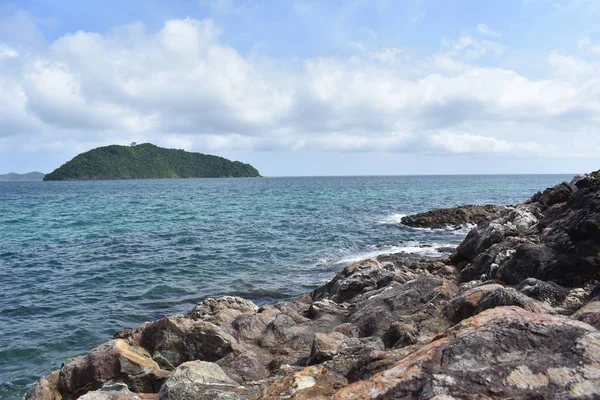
x=372 y=317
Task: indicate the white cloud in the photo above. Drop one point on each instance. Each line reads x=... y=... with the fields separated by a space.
x=586 y=44
x=485 y=30
x=181 y=86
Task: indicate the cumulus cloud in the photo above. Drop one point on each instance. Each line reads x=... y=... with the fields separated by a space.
x=181 y=86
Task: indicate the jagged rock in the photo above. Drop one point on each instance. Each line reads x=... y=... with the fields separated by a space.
x=413 y=302
x=351 y=352
x=445 y=217
x=113 y=361
x=400 y=334
x=222 y=310
x=528 y=261
x=325 y=346
x=481 y=298
x=549 y=292
x=200 y=380
x=590 y=313
x=251 y=327
x=554 y=195
x=247 y=366
x=46 y=389
x=312 y=383
x=117 y=391
x=511 y=222
x=506 y=352
x=175 y=340
x=361 y=277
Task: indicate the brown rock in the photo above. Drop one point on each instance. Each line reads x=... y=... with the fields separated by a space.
x=174 y=340
x=222 y=310
x=46 y=389
x=487 y=296
x=325 y=346
x=528 y=354
x=589 y=313
x=312 y=383
x=115 y=360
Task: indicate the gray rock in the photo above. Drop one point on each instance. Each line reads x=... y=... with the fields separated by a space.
x=199 y=380
x=451 y=217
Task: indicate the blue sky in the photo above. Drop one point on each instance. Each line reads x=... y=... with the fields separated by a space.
x=306 y=87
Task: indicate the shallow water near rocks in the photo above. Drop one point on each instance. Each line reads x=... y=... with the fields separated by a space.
x=80 y=260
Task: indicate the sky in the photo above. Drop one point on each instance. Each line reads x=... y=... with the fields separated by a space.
x=306 y=87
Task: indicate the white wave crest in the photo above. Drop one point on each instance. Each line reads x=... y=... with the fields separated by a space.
x=393 y=219
x=411 y=247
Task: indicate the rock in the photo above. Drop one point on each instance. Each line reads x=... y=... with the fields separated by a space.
x=222 y=310
x=247 y=366
x=549 y=292
x=481 y=298
x=505 y=351
x=361 y=277
x=400 y=334
x=448 y=217
x=115 y=361
x=554 y=195
x=175 y=340
x=46 y=389
x=351 y=352
x=589 y=313
x=325 y=346
x=117 y=391
x=312 y=383
x=416 y=302
x=514 y=221
x=200 y=380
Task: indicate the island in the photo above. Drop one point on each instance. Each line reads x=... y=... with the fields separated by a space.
x=30 y=176
x=147 y=161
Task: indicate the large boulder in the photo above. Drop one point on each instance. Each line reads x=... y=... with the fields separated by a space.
x=481 y=298
x=222 y=310
x=199 y=380
x=415 y=303
x=361 y=277
x=504 y=352
x=115 y=361
x=175 y=340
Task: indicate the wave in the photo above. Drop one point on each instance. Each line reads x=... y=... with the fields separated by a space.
x=393 y=219
x=424 y=249
x=396 y=219
x=460 y=230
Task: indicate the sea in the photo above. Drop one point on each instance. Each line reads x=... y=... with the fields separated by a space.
x=81 y=260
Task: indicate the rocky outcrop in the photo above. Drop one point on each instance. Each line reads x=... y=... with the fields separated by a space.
x=451 y=217
x=552 y=237
x=513 y=314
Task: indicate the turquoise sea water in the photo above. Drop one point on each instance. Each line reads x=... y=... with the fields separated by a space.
x=80 y=260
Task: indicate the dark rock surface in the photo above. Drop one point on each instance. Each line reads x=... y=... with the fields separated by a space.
x=451 y=217
x=513 y=314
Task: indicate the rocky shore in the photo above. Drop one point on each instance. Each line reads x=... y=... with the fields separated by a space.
x=514 y=313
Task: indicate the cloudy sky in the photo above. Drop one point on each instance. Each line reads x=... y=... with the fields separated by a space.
x=306 y=87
